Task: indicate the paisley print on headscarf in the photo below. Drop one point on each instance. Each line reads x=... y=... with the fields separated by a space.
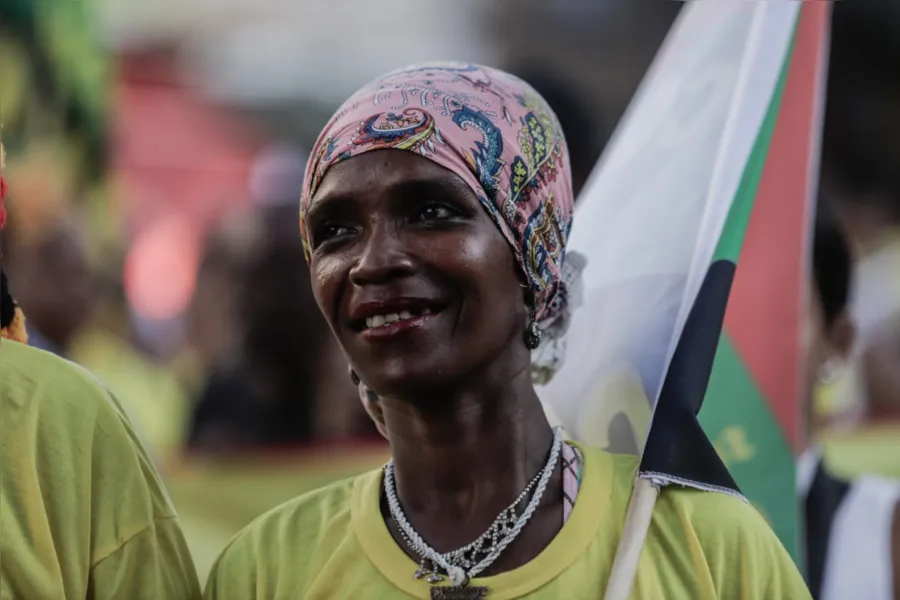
x=491 y=129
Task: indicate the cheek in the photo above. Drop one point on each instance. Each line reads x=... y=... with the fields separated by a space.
x=492 y=280
x=325 y=279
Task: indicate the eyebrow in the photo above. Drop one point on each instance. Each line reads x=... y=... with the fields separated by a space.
x=447 y=185
x=329 y=203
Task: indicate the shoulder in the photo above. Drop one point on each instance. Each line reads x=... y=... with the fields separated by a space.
x=63 y=424
x=743 y=555
x=308 y=514
x=617 y=472
x=39 y=383
x=710 y=515
x=67 y=446
x=65 y=435
x=724 y=537
x=65 y=406
x=715 y=516
x=288 y=537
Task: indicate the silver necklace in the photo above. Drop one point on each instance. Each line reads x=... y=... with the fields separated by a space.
x=462 y=564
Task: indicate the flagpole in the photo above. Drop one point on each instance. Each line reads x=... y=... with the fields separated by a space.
x=628 y=555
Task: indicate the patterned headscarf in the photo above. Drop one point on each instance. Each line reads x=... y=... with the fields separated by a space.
x=496 y=133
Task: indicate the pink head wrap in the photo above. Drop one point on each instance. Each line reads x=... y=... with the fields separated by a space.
x=491 y=129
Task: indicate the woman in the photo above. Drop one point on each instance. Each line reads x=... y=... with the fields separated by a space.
x=852 y=527
x=435 y=212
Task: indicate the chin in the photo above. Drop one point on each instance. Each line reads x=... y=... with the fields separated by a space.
x=414 y=377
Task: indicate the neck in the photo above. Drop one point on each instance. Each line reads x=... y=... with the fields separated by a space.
x=469 y=454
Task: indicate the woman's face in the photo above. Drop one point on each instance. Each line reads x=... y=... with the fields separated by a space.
x=415 y=280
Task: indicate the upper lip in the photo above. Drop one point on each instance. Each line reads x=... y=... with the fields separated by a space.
x=364 y=310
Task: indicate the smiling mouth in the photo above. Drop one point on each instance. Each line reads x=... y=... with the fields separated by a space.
x=385 y=320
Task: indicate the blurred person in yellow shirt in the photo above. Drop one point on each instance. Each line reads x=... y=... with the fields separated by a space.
x=83 y=512
x=852 y=526
x=861 y=154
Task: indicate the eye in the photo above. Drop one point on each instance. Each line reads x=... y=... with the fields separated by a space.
x=327 y=232
x=436 y=211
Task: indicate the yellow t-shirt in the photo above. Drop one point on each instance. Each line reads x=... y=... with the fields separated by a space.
x=333 y=544
x=83 y=512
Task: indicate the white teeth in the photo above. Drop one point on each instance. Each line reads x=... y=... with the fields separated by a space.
x=376 y=321
x=381 y=320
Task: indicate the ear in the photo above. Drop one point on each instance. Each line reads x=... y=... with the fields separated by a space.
x=16 y=330
x=372 y=405
x=528 y=299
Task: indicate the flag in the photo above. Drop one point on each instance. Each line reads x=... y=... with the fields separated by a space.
x=754 y=410
x=662 y=221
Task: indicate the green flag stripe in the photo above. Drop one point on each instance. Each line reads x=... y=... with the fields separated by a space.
x=745 y=432
x=732 y=237
x=736 y=416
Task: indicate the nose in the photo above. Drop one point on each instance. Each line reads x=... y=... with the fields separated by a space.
x=384 y=256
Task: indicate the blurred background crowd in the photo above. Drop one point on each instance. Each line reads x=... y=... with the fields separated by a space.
x=155 y=153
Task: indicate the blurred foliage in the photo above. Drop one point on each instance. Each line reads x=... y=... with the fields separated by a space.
x=55 y=75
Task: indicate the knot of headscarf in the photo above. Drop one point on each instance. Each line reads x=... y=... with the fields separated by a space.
x=496 y=133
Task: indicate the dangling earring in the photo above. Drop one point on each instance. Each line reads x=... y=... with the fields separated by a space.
x=354 y=377
x=532 y=334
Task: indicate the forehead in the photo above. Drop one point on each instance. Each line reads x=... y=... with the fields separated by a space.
x=381 y=171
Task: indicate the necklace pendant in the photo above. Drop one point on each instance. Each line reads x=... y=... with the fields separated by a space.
x=422 y=571
x=446 y=592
